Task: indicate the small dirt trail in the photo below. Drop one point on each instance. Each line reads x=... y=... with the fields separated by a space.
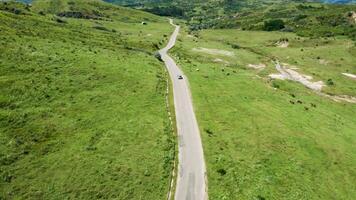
x=191 y=179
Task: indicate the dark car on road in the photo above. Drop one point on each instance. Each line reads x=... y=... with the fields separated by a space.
x=180 y=77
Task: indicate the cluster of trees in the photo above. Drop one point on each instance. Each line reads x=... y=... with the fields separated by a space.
x=173 y=11
x=274 y=25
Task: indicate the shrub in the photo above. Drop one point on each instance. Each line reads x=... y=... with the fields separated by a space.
x=60 y=20
x=259 y=197
x=158 y=56
x=330 y=82
x=235 y=46
x=273 y=25
x=275 y=85
x=102 y=28
x=221 y=171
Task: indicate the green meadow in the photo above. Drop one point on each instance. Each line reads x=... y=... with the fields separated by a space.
x=272 y=139
x=82 y=103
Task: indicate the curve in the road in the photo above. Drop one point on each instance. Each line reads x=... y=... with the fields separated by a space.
x=191 y=179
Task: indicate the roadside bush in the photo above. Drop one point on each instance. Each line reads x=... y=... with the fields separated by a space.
x=158 y=56
x=221 y=171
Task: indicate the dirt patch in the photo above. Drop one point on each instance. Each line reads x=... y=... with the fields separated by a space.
x=290 y=74
x=352 y=76
x=346 y=98
x=340 y=98
x=214 y=51
x=257 y=66
x=323 y=62
x=218 y=60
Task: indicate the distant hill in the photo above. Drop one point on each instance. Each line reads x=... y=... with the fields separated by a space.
x=340 y=1
x=25 y=1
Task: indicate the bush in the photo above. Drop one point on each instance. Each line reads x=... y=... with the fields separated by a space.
x=330 y=82
x=273 y=25
x=275 y=85
x=222 y=172
x=102 y=28
x=158 y=56
x=235 y=46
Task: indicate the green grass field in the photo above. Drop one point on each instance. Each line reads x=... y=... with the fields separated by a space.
x=83 y=111
x=266 y=143
x=82 y=104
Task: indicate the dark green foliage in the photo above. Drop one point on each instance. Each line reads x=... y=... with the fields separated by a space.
x=60 y=20
x=221 y=171
x=102 y=28
x=330 y=82
x=83 y=15
x=173 y=11
x=273 y=25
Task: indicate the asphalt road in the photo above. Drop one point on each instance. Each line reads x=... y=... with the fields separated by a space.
x=191 y=179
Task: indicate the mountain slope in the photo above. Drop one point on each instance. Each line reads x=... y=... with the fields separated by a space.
x=339 y=1
x=82 y=102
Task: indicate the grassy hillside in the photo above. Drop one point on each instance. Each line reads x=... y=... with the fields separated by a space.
x=82 y=102
x=315 y=20
x=272 y=139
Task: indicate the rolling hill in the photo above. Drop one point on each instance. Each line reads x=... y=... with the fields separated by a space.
x=75 y=76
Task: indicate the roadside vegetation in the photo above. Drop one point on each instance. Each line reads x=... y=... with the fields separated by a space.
x=82 y=102
x=266 y=138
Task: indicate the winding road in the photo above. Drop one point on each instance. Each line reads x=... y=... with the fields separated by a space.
x=191 y=179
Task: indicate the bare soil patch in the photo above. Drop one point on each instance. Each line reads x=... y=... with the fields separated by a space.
x=290 y=74
x=257 y=66
x=323 y=62
x=219 y=60
x=352 y=76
